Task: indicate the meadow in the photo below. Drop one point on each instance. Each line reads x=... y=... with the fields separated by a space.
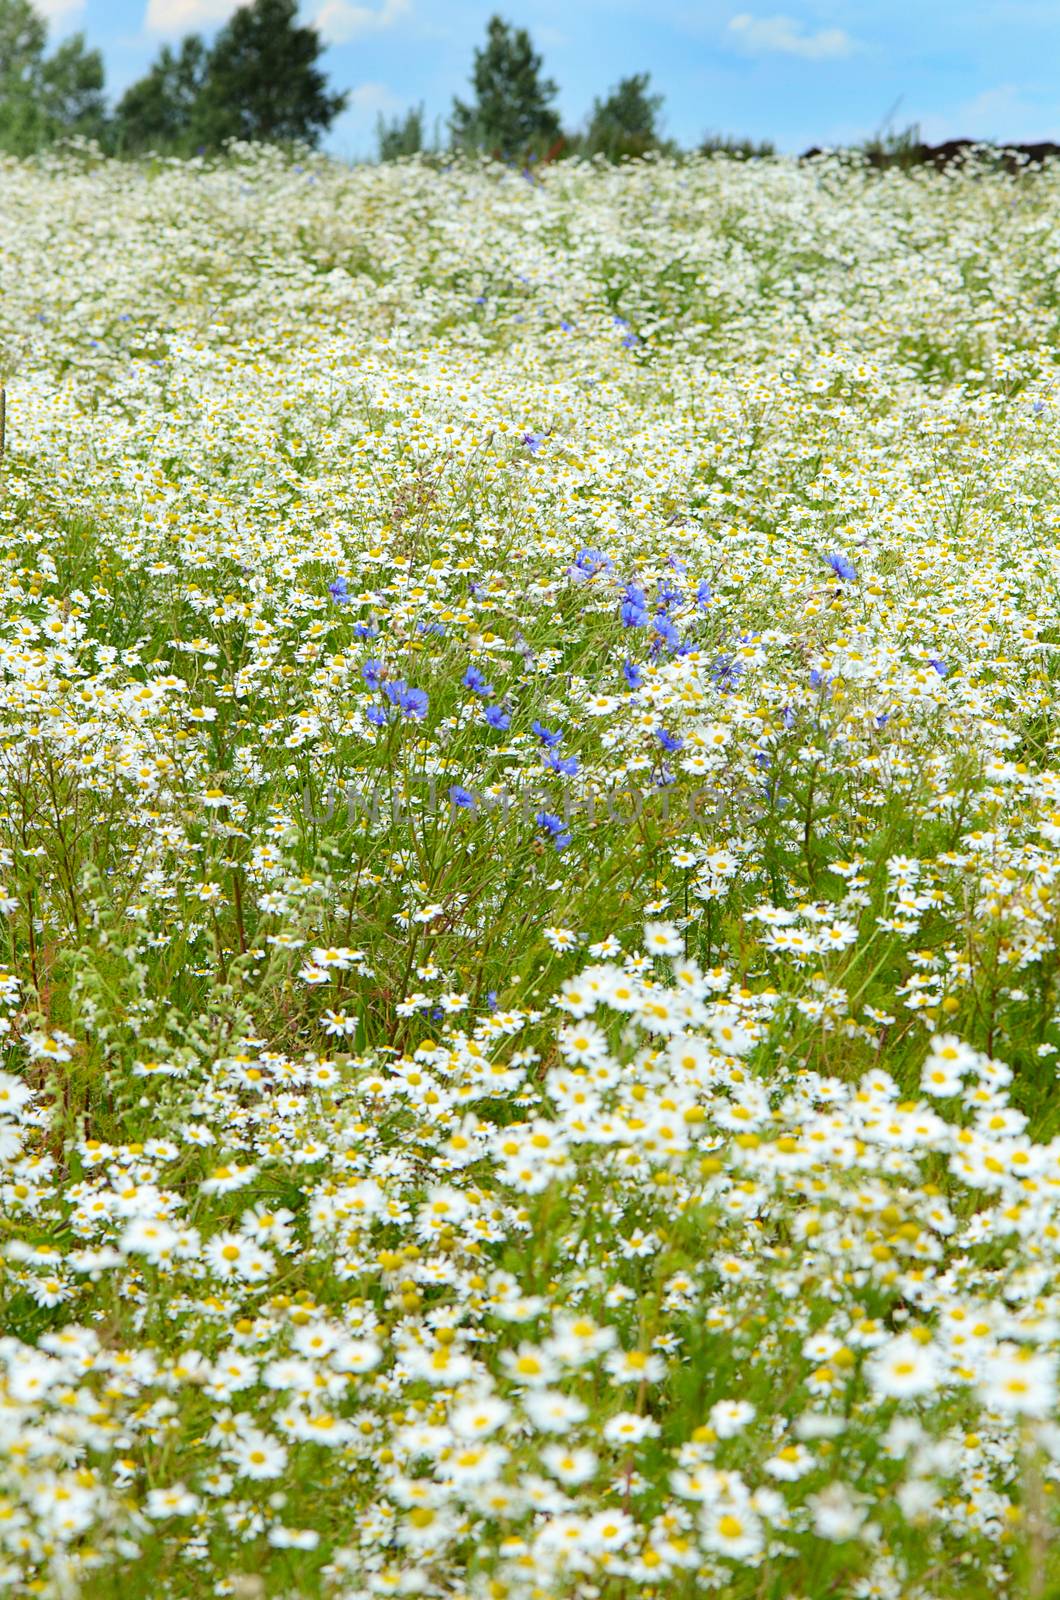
x=529 y=822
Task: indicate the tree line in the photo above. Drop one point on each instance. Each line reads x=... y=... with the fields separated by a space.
x=261 y=80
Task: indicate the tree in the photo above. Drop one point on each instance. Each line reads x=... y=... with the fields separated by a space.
x=158 y=111
x=512 y=114
x=259 y=81
x=43 y=98
x=625 y=124
x=402 y=136
x=263 y=82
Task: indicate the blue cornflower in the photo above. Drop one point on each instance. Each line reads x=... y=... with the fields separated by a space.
x=377 y=715
x=491 y=999
x=497 y=717
x=788 y=717
x=818 y=679
x=462 y=797
x=567 y=765
x=841 y=565
x=669 y=741
x=372 y=672
x=939 y=665
x=474 y=681
x=548 y=738
x=554 y=827
x=587 y=563
x=667 y=631
x=633 y=674
x=566 y=327
x=703 y=595
x=634 y=607
x=413 y=702
x=726 y=672
x=338 y=591
x=365 y=630
x=532 y=442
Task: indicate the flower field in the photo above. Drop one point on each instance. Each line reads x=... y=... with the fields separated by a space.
x=529 y=823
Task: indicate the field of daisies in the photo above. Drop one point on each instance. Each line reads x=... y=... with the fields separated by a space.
x=530 y=843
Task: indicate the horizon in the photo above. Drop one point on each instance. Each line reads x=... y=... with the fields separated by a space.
x=826 y=74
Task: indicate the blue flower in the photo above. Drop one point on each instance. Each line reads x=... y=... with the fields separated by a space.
x=338 y=591
x=703 y=595
x=377 y=714
x=841 y=565
x=634 y=607
x=462 y=797
x=726 y=672
x=939 y=665
x=413 y=702
x=567 y=765
x=365 y=630
x=491 y=999
x=546 y=735
x=372 y=672
x=532 y=442
x=497 y=717
x=587 y=563
x=474 y=681
x=669 y=741
x=554 y=827
x=567 y=327
x=667 y=631
x=633 y=674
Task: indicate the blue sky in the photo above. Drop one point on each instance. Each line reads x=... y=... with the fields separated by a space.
x=799 y=72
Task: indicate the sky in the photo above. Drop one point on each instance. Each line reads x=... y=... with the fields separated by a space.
x=821 y=72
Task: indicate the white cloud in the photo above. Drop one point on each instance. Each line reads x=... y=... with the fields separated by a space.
x=369 y=99
x=59 y=10
x=176 y=16
x=785 y=37
x=339 y=21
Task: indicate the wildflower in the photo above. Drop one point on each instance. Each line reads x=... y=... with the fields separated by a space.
x=904 y=1369
x=474 y=680
x=730 y=1417
x=410 y=702
x=841 y=565
x=1020 y=1382
x=554 y=827
x=257 y=1456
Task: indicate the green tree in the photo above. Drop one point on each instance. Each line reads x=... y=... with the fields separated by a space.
x=626 y=123
x=259 y=81
x=512 y=114
x=401 y=136
x=158 y=111
x=263 y=82
x=44 y=98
